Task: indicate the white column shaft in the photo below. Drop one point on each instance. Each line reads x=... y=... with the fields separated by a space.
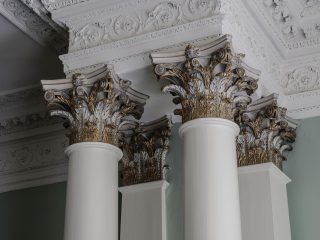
x=92 y=192
x=211 y=191
x=143 y=214
x=264 y=203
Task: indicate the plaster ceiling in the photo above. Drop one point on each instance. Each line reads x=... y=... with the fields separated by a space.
x=24 y=62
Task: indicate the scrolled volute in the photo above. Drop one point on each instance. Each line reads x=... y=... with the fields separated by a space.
x=144 y=152
x=210 y=81
x=98 y=106
x=266 y=132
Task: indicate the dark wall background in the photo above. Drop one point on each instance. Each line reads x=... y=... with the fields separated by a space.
x=33 y=213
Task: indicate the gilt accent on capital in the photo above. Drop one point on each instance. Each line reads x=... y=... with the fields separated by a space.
x=209 y=81
x=98 y=106
x=144 y=152
x=266 y=132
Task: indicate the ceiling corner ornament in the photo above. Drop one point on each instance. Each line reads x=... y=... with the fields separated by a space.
x=144 y=152
x=209 y=81
x=266 y=133
x=282 y=15
x=98 y=106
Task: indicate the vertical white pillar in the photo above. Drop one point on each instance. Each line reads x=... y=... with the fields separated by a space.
x=143 y=215
x=211 y=191
x=264 y=202
x=92 y=192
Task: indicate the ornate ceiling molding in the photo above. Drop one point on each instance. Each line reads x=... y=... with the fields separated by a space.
x=282 y=15
x=32 y=18
x=31 y=142
x=284 y=26
x=141 y=45
x=310 y=8
x=85 y=34
x=52 y=5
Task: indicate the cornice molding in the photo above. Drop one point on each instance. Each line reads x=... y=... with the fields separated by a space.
x=34 y=21
x=52 y=5
x=86 y=33
x=33 y=162
x=122 y=49
x=31 y=143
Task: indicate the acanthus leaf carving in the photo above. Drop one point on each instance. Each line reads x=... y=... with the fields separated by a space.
x=265 y=133
x=210 y=81
x=145 y=148
x=97 y=105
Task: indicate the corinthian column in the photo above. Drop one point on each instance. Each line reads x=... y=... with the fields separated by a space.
x=213 y=85
x=97 y=107
x=266 y=133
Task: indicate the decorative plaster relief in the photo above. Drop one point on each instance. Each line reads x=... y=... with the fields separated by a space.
x=30 y=155
x=51 y=5
x=26 y=122
x=248 y=38
x=281 y=25
x=311 y=30
x=282 y=15
x=42 y=30
x=164 y=15
x=121 y=50
x=303 y=79
x=312 y=7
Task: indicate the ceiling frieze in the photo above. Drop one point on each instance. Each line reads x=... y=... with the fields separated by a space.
x=144 y=43
x=52 y=5
x=282 y=16
x=31 y=142
x=302 y=79
x=99 y=31
x=34 y=21
x=310 y=8
x=32 y=162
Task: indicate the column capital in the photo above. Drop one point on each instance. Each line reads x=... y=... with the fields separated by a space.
x=97 y=105
x=208 y=81
x=266 y=133
x=144 y=152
